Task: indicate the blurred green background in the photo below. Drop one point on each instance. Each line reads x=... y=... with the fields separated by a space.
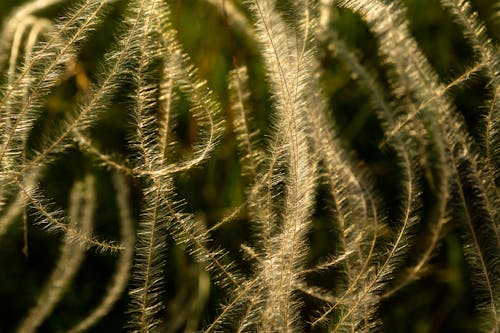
x=441 y=302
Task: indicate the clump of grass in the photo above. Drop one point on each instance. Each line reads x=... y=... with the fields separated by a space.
x=177 y=270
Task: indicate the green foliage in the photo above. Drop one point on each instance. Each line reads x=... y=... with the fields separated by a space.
x=323 y=177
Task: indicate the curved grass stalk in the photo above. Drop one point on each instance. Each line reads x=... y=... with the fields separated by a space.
x=488 y=54
x=147 y=273
x=124 y=264
x=286 y=60
x=52 y=221
x=81 y=208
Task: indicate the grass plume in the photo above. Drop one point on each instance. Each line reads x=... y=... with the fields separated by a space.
x=249 y=168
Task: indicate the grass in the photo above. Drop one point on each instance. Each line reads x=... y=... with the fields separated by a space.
x=265 y=166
